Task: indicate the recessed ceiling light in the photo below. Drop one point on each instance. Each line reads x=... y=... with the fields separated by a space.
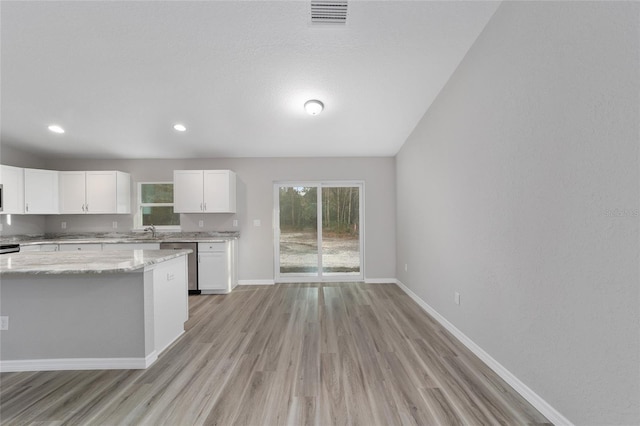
x=179 y=127
x=313 y=107
x=56 y=129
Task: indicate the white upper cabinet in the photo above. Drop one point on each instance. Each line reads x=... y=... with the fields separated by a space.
x=188 y=188
x=204 y=191
x=72 y=192
x=95 y=192
x=40 y=191
x=108 y=192
x=12 y=180
x=219 y=191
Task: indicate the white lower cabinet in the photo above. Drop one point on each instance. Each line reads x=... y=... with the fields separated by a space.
x=216 y=267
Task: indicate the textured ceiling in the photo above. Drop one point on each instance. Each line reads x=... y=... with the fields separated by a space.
x=117 y=76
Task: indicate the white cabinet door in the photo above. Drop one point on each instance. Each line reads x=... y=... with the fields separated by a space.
x=40 y=191
x=72 y=192
x=219 y=191
x=100 y=192
x=212 y=267
x=12 y=180
x=187 y=191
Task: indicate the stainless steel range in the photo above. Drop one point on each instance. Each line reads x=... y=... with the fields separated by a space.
x=9 y=248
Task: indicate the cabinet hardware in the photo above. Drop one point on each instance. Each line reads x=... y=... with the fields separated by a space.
x=26 y=207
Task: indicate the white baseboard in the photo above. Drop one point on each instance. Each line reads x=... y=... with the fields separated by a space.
x=78 y=364
x=380 y=281
x=553 y=415
x=256 y=282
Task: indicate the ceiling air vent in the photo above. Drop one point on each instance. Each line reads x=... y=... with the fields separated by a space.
x=328 y=11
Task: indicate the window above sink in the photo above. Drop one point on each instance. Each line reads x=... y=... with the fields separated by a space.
x=155 y=207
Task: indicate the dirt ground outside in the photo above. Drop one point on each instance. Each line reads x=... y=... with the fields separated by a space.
x=299 y=254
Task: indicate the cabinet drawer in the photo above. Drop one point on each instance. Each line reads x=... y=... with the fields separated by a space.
x=131 y=246
x=80 y=247
x=211 y=247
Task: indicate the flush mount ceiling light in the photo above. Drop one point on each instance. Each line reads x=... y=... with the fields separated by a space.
x=56 y=129
x=179 y=127
x=313 y=107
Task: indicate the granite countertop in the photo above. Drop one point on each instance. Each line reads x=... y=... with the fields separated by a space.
x=115 y=238
x=86 y=262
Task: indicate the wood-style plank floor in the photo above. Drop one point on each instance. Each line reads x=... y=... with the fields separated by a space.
x=295 y=354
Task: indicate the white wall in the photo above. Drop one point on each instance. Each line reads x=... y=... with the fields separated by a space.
x=255 y=201
x=519 y=189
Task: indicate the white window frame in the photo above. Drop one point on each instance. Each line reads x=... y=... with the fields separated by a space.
x=138 y=216
x=316 y=277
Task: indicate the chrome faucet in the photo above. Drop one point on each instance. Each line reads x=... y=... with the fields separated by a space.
x=151 y=228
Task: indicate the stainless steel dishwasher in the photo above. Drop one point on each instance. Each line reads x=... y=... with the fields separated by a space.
x=192 y=262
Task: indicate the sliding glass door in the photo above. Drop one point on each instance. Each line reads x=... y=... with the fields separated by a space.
x=318 y=231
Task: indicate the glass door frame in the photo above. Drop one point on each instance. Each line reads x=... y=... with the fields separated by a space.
x=319 y=276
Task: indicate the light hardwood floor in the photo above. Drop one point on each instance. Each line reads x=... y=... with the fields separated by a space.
x=323 y=354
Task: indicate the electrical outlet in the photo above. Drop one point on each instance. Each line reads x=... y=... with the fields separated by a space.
x=235 y=222
x=63 y=225
x=114 y=224
x=456 y=298
x=4 y=323
x=256 y=222
x=201 y=223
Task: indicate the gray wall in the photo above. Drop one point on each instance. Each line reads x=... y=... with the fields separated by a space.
x=519 y=189
x=11 y=155
x=44 y=312
x=255 y=201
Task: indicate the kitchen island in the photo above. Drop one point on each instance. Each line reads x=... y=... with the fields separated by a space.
x=90 y=310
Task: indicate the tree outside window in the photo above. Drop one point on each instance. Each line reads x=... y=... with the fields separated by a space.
x=155 y=200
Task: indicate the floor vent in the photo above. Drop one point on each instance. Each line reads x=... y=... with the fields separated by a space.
x=328 y=11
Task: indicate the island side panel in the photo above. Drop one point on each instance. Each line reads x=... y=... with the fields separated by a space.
x=73 y=316
x=170 y=301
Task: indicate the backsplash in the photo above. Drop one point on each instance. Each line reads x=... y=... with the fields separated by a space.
x=88 y=223
x=41 y=224
x=13 y=224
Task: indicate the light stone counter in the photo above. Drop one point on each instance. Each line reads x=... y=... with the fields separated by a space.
x=84 y=262
x=117 y=238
